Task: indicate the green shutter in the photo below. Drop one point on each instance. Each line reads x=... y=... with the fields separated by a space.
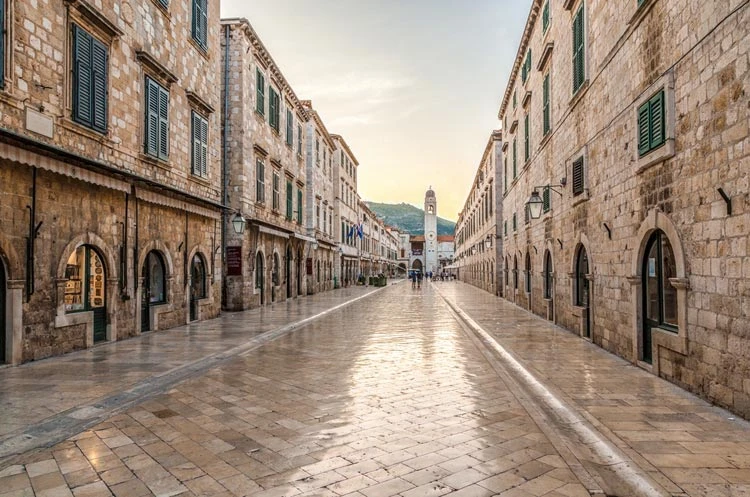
x=152 y=118
x=579 y=64
x=289 y=128
x=163 y=123
x=99 y=86
x=545 y=105
x=82 y=76
x=289 y=200
x=526 y=144
x=656 y=116
x=299 y=207
x=200 y=22
x=545 y=17
x=515 y=159
x=643 y=129
x=545 y=199
x=260 y=92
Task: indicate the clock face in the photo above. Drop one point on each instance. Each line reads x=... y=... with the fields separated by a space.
x=431 y=235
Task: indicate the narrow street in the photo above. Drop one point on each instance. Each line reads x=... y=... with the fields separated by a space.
x=446 y=390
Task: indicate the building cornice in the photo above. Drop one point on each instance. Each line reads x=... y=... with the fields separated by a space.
x=346 y=148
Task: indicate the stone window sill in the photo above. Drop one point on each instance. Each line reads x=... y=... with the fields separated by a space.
x=83 y=130
x=161 y=163
x=654 y=157
x=578 y=95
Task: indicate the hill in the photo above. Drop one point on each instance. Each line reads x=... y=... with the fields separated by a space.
x=408 y=218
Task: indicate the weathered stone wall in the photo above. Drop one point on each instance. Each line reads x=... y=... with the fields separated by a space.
x=701 y=51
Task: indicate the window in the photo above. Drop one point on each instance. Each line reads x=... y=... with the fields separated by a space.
x=90 y=66
x=289 y=200
x=273 y=108
x=515 y=272
x=514 y=98
x=547 y=275
x=582 y=282
x=515 y=159
x=526 y=144
x=545 y=17
x=505 y=175
x=526 y=69
x=154 y=278
x=164 y=3
x=545 y=106
x=157 y=120
x=200 y=145
x=260 y=181
x=317 y=216
x=260 y=93
x=651 y=129
x=299 y=206
x=579 y=51
x=289 y=128
x=578 y=180
x=505 y=228
x=660 y=297
x=276 y=200
x=200 y=23
x=546 y=200
x=527 y=276
x=299 y=140
x=515 y=222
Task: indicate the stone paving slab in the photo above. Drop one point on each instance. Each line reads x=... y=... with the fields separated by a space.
x=40 y=400
x=689 y=446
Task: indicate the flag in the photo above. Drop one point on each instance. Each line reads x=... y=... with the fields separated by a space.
x=351 y=232
x=359 y=231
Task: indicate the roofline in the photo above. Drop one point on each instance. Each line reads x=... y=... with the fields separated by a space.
x=530 y=22
x=346 y=147
x=312 y=113
x=496 y=135
x=263 y=52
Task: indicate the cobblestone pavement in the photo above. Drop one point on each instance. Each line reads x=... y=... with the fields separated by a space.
x=391 y=395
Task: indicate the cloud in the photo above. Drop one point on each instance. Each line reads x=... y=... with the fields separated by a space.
x=373 y=88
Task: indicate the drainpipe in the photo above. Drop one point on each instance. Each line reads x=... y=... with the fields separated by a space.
x=225 y=165
x=33 y=233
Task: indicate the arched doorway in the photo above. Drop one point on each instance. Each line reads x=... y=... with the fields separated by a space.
x=288 y=272
x=659 y=296
x=3 y=294
x=515 y=272
x=582 y=289
x=197 y=284
x=154 y=287
x=417 y=265
x=274 y=276
x=299 y=273
x=528 y=276
x=85 y=290
x=259 y=276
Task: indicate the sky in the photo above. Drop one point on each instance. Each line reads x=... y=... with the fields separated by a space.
x=413 y=86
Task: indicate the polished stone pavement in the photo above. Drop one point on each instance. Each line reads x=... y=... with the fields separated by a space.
x=440 y=391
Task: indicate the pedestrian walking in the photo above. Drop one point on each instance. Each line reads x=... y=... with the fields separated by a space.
x=413 y=277
x=419 y=279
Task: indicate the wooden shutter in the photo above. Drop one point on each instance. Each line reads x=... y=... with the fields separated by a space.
x=99 y=86
x=289 y=200
x=299 y=207
x=196 y=145
x=545 y=104
x=200 y=22
x=152 y=118
x=656 y=116
x=260 y=92
x=200 y=145
x=643 y=129
x=578 y=176
x=515 y=154
x=526 y=144
x=204 y=147
x=289 y=128
x=163 y=137
x=545 y=199
x=545 y=17
x=82 y=76
x=579 y=67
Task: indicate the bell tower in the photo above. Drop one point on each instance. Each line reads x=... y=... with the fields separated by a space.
x=430 y=232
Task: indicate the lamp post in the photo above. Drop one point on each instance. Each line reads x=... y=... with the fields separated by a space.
x=535 y=204
x=488 y=242
x=238 y=223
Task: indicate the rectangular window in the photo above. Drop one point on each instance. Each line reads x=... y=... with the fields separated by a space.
x=289 y=200
x=317 y=216
x=545 y=200
x=273 y=108
x=165 y=3
x=505 y=228
x=260 y=182
x=157 y=120
x=299 y=140
x=505 y=174
x=526 y=69
x=200 y=23
x=299 y=206
x=526 y=143
x=514 y=99
x=545 y=105
x=260 y=93
x=545 y=17
x=276 y=200
x=515 y=222
x=526 y=215
x=515 y=159
x=578 y=176
x=579 y=50
x=289 y=128
x=90 y=68
x=200 y=145
x=651 y=129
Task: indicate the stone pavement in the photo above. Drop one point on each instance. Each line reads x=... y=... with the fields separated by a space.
x=392 y=395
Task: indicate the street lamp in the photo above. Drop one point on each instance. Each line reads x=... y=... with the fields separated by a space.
x=474 y=250
x=535 y=204
x=488 y=242
x=238 y=223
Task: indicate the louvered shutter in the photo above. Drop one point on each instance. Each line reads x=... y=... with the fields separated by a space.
x=203 y=22
x=289 y=200
x=82 y=76
x=643 y=129
x=199 y=22
x=656 y=115
x=579 y=68
x=260 y=92
x=289 y=128
x=545 y=200
x=163 y=122
x=545 y=17
x=578 y=176
x=527 y=144
x=515 y=157
x=204 y=148
x=152 y=118
x=299 y=206
x=99 y=76
x=545 y=104
x=195 y=159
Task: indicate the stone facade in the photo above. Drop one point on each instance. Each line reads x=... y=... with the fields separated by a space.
x=265 y=147
x=346 y=210
x=78 y=178
x=644 y=131
x=478 y=246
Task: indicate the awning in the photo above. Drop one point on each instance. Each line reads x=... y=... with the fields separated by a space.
x=271 y=231
x=158 y=199
x=304 y=237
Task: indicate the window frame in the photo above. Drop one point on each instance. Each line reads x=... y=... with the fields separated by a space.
x=201 y=141
x=579 y=48
x=260 y=181
x=260 y=92
x=95 y=44
x=162 y=119
x=276 y=195
x=199 y=23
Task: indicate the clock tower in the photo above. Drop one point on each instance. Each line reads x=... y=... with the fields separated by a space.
x=430 y=232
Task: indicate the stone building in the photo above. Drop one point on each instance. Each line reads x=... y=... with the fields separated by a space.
x=478 y=246
x=346 y=212
x=110 y=174
x=265 y=157
x=320 y=202
x=430 y=232
x=626 y=132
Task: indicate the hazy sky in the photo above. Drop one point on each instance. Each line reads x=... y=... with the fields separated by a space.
x=413 y=86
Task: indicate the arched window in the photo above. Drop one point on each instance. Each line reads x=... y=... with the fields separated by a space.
x=198 y=277
x=155 y=278
x=659 y=294
x=259 y=270
x=275 y=272
x=507 y=265
x=515 y=272
x=317 y=271
x=85 y=289
x=528 y=273
x=547 y=275
x=582 y=282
